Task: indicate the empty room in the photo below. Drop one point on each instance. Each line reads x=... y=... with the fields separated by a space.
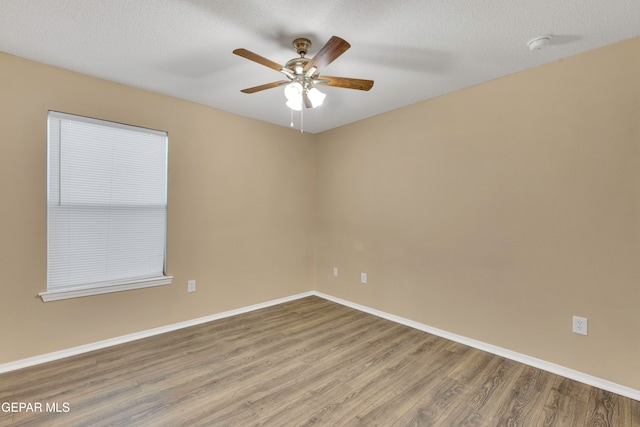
x=287 y=213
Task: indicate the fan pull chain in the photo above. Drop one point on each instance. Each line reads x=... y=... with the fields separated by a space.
x=301 y=120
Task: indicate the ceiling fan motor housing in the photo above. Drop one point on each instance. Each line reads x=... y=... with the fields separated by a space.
x=297 y=65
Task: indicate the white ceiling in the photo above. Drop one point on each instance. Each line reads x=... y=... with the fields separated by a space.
x=413 y=49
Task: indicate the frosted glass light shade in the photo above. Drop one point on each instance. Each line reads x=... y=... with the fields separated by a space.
x=295 y=105
x=316 y=97
x=293 y=92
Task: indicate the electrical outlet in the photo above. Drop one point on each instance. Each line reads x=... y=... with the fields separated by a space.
x=363 y=277
x=191 y=286
x=580 y=325
x=335 y=271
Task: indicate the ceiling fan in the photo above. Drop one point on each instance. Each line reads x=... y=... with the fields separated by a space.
x=304 y=74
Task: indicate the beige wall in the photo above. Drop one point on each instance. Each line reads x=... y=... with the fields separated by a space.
x=498 y=212
x=239 y=220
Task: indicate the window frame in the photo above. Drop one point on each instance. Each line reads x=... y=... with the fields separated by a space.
x=56 y=291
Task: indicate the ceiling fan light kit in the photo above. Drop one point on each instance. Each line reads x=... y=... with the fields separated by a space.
x=295 y=93
x=304 y=73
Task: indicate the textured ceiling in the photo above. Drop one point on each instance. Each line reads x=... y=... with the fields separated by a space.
x=413 y=49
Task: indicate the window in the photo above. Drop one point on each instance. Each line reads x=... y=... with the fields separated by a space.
x=107 y=207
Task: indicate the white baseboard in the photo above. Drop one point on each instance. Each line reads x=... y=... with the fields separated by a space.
x=518 y=357
x=19 y=364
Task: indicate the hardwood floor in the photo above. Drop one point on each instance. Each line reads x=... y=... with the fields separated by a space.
x=306 y=362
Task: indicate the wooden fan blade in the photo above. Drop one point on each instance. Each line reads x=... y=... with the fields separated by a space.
x=265 y=86
x=359 y=84
x=259 y=59
x=329 y=52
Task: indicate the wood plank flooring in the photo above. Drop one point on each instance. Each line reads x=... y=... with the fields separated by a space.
x=305 y=362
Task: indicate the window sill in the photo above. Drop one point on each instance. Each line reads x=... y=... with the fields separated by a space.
x=76 y=292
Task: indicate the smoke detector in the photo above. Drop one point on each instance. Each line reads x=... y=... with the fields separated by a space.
x=539 y=42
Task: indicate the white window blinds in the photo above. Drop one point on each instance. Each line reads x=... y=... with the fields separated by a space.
x=107 y=206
